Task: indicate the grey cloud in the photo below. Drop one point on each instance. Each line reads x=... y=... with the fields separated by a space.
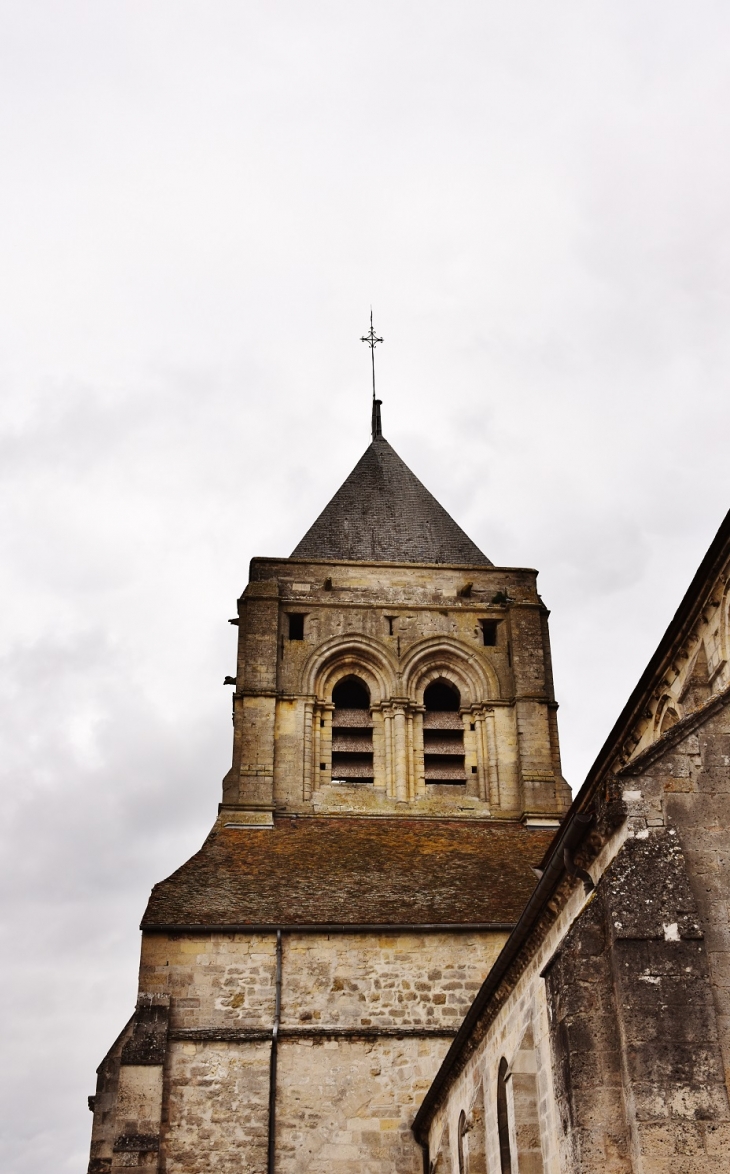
x=198 y=207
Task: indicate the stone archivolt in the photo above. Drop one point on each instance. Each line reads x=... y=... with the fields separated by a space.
x=397 y=689
x=695 y=671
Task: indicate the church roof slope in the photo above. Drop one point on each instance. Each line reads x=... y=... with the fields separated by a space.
x=382 y=513
x=349 y=871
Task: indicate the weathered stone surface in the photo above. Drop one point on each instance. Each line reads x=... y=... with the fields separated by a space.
x=586 y=1050
x=217 y=1104
x=346 y=1106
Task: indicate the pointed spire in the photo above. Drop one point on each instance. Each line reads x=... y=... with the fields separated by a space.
x=377 y=424
x=382 y=513
x=372 y=339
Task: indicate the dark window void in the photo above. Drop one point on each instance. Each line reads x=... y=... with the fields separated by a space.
x=489 y=632
x=460 y=1142
x=442 y=697
x=505 y=1157
x=296 y=627
x=443 y=735
x=352 y=733
x=351 y=693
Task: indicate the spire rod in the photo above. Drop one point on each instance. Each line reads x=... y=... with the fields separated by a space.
x=372 y=339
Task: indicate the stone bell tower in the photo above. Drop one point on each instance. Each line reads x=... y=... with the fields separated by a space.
x=450 y=655
x=395 y=777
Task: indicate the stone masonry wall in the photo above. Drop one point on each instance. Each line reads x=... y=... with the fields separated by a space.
x=365 y=1022
x=689 y=787
x=586 y=1047
x=216 y=1105
x=346 y=1105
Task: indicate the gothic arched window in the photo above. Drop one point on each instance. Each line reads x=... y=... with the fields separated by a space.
x=443 y=735
x=505 y=1156
x=352 y=732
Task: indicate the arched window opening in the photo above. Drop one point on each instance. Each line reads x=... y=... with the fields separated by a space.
x=505 y=1156
x=669 y=719
x=461 y=1135
x=351 y=693
x=443 y=736
x=352 y=733
x=697 y=689
x=442 y=697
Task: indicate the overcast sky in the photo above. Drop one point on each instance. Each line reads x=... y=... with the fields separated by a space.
x=199 y=203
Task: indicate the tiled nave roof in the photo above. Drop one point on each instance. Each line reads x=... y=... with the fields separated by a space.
x=354 y=871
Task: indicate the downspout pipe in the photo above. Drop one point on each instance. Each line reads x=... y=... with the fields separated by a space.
x=425 y=1155
x=271 y=1155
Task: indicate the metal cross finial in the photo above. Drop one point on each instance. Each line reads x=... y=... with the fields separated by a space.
x=372 y=339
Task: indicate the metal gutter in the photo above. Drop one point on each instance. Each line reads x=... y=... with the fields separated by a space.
x=339 y=927
x=254 y=1034
x=271 y=1154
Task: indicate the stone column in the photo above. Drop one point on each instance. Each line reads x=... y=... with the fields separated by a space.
x=410 y=764
x=492 y=759
x=482 y=757
x=316 y=737
x=401 y=763
x=380 y=769
x=389 y=756
x=308 y=749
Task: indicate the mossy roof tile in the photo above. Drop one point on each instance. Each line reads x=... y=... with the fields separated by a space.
x=358 y=871
x=382 y=513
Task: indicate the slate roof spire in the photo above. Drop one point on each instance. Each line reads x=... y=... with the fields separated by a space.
x=377 y=423
x=383 y=513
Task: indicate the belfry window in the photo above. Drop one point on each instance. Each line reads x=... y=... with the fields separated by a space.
x=296 y=626
x=352 y=733
x=443 y=735
x=489 y=632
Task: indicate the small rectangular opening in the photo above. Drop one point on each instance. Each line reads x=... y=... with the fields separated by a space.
x=296 y=626
x=489 y=632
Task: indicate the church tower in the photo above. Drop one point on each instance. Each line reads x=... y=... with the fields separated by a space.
x=395 y=778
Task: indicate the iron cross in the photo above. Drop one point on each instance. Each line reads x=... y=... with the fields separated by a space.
x=372 y=340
